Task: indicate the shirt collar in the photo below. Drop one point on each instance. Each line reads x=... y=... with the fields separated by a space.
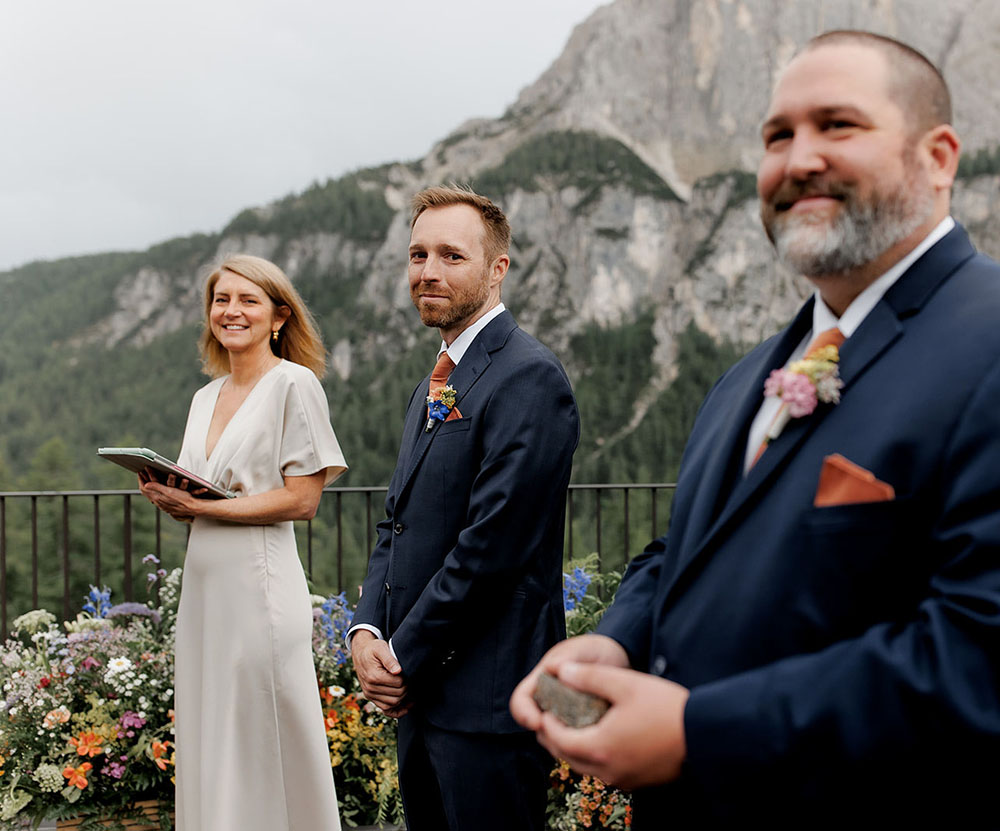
x=465 y=339
x=854 y=314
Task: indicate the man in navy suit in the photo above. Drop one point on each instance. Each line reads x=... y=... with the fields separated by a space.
x=464 y=588
x=816 y=642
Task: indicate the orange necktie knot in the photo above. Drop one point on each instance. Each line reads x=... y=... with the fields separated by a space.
x=828 y=337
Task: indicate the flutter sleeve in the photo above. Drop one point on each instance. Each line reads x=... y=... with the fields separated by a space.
x=308 y=443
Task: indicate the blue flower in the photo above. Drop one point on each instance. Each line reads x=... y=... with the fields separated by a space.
x=574 y=587
x=335 y=619
x=438 y=410
x=98 y=601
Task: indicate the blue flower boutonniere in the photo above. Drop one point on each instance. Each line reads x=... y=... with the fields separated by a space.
x=440 y=403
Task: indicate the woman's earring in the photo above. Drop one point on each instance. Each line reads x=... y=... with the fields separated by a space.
x=274 y=336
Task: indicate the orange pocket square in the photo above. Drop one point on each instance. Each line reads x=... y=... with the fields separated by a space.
x=453 y=414
x=841 y=482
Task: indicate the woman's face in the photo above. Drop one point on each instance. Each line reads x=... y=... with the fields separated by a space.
x=242 y=316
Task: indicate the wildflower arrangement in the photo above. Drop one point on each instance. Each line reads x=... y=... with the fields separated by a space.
x=803 y=386
x=85 y=710
x=577 y=801
x=362 y=740
x=440 y=404
x=585 y=802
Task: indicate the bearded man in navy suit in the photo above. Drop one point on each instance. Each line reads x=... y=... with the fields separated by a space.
x=464 y=588
x=816 y=642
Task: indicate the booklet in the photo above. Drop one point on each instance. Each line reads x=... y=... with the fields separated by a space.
x=140 y=458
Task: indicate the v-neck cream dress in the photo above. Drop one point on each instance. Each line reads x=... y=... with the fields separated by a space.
x=251 y=746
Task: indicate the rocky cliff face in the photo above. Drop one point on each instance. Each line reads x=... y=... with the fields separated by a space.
x=682 y=84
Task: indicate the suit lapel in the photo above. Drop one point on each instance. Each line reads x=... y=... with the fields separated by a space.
x=722 y=471
x=721 y=484
x=463 y=378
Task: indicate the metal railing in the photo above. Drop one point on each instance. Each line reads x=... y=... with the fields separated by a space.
x=59 y=542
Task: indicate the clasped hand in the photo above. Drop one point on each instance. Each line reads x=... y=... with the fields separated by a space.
x=172 y=498
x=638 y=742
x=380 y=674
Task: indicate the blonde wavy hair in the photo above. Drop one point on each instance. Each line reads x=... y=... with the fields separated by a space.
x=299 y=339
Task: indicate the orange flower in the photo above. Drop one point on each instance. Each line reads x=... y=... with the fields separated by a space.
x=159 y=751
x=77 y=776
x=87 y=745
x=60 y=715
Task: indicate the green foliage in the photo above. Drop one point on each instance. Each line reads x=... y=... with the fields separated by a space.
x=352 y=206
x=984 y=162
x=572 y=159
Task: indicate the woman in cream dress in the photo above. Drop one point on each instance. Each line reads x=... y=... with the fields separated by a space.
x=251 y=747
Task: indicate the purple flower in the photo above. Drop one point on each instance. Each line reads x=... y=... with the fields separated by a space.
x=151 y=558
x=131 y=719
x=138 y=609
x=116 y=770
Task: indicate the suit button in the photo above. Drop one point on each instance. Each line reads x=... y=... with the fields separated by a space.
x=398 y=528
x=659 y=665
x=388 y=588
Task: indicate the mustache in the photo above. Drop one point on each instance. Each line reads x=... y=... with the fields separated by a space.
x=790 y=192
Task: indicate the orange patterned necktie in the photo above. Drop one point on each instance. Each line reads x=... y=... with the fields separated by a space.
x=828 y=337
x=439 y=377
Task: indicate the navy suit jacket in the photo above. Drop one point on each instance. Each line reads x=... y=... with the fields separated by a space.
x=466 y=576
x=846 y=656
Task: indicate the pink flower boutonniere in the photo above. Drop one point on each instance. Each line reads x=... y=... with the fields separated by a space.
x=439 y=405
x=802 y=386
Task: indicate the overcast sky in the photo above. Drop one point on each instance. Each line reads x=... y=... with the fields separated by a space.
x=127 y=122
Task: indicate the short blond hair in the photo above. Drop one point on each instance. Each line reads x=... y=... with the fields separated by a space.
x=496 y=228
x=299 y=339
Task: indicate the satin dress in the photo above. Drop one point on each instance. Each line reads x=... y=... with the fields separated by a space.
x=251 y=748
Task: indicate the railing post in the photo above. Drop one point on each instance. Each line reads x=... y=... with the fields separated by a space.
x=309 y=549
x=597 y=511
x=127 y=544
x=655 y=527
x=368 y=524
x=3 y=568
x=569 y=520
x=34 y=552
x=97 y=539
x=625 y=492
x=340 y=542
x=65 y=555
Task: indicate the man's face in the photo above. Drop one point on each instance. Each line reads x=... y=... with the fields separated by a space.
x=450 y=280
x=840 y=182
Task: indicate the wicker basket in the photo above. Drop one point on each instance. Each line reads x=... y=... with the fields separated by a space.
x=149 y=808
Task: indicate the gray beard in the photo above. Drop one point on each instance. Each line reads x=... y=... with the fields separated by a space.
x=858 y=235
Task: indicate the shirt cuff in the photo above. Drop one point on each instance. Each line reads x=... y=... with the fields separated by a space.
x=374 y=630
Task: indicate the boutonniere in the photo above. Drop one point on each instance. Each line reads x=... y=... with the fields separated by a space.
x=802 y=386
x=439 y=404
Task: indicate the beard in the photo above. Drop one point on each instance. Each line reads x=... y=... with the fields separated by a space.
x=862 y=230
x=463 y=304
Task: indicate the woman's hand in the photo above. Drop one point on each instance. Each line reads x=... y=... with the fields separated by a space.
x=173 y=497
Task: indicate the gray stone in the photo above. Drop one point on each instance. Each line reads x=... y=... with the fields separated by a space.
x=575 y=708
